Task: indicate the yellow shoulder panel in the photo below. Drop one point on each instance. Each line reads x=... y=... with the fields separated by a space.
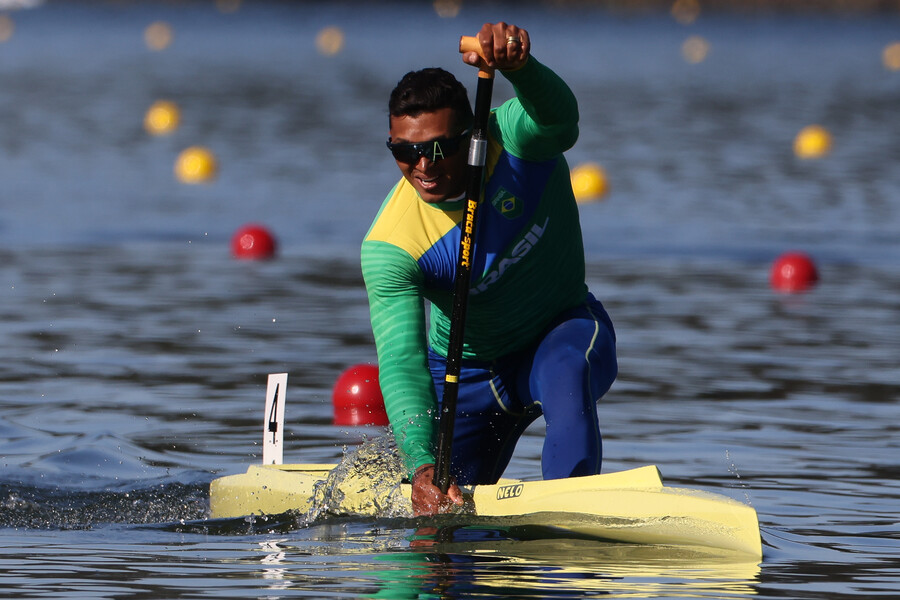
x=408 y=222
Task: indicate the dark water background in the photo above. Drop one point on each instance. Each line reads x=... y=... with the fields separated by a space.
x=134 y=349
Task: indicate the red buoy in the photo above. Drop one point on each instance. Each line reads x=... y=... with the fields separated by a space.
x=793 y=272
x=357 y=397
x=253 y=242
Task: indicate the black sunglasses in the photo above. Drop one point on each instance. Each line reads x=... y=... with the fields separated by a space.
x=434 y=150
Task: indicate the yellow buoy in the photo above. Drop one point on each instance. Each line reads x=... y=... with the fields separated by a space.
x=589 y=182
x=195 y=165
x=162 y=118
x=330 y=41
x=813 y=141
x=447 y=9
x=685 y=11
x=695 y=49
x=158 y=35
x=228 y=6
x=891 y=56
x=6 y=28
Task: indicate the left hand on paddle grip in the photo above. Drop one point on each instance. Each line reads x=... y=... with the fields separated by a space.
x=427 y=498
x=497 y=46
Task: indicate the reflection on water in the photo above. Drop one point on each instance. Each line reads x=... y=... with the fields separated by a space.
x=353 y=561
x=466 y=563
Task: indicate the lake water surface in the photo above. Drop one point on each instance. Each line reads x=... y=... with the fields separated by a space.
x=134 y=350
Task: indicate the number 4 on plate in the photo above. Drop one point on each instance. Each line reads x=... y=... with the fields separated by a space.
x=273 y=427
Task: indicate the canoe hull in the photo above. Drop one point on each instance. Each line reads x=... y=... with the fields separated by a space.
x=629 y=506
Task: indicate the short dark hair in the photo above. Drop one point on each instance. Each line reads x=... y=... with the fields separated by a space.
x=429 y=90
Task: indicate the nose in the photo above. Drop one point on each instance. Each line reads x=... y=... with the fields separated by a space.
x=423 y=163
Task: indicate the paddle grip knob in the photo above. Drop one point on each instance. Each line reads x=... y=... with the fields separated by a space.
x=470 y=43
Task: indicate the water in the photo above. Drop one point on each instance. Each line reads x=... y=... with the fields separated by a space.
x=135 y=350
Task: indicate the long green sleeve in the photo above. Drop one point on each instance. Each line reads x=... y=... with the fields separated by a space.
x=542 y=120
x=394 y=284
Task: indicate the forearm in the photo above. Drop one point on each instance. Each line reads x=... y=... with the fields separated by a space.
x=542 y=120
x=546 y=98
x=398 y=324
x=409 y=398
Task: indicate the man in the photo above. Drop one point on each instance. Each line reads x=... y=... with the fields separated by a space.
x=536 y=341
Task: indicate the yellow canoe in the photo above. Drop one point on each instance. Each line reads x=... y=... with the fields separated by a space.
x=629 y=506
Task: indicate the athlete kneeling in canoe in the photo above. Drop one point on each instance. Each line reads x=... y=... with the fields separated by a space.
x=536 y=341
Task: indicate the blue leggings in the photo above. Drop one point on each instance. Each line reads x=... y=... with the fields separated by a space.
x=562 y=377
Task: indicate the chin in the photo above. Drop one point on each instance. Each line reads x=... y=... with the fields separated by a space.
x=432 y=195
x=433 y=198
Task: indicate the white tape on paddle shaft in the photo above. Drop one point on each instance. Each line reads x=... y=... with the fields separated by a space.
x=477 y=152
x=273 y=426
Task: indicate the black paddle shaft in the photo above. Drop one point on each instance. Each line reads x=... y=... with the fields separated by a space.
x=475 y=175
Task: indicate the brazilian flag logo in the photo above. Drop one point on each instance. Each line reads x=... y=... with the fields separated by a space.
x=506 y=204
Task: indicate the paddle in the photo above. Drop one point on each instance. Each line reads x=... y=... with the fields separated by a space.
x=475 y=175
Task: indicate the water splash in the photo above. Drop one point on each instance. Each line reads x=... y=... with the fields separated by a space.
x=33 y=507
x=365 y=482
x=732 y=468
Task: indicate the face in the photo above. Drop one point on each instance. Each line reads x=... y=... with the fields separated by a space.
x=439 y=180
